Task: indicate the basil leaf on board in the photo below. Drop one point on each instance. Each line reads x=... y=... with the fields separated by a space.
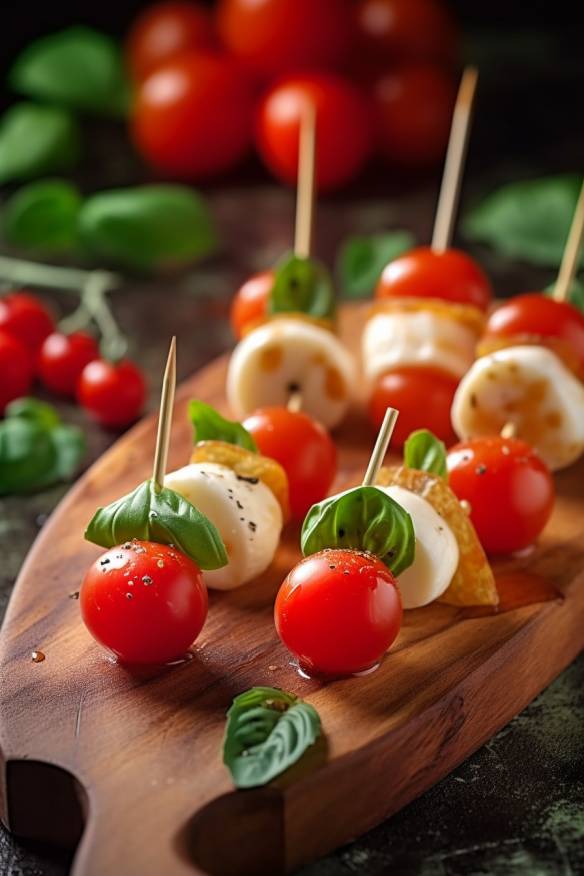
x=575 y=295
x=70 y=445
x=527 y=220
x=78 y=67
x=35 y=140
x=268 y=730
x=29 y=408
x=147 y=227
x=43 y=216
x=211 y=426
x=425 y=452
x=362 y=258
x=162 y=516
x=302 y=286
x=364 y=519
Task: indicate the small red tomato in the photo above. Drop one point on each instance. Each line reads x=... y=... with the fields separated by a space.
x=144 y=601
x=303 y=448
x=250 y=301
x=62 y=358
x=344 y=128
x=25 y=317
x=422 y=273
x=114 y=394
x=338 y=612
x=192 y=117
x=510 y=490
x=16 y=369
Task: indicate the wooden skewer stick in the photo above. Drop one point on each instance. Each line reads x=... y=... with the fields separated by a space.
x=381 y=445
x=295 y=401
x=305 y=195
x=509 y=430
x=571 y=256
x=165 y=417
x=454 y=164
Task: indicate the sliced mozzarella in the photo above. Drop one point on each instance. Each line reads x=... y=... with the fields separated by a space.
x=531 y=388
x=247 y=515
x=287 y=355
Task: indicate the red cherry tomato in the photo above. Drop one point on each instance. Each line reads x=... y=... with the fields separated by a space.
x=338 y=612
x=165 y=30
x=285 y=36
x=62 y=358
x=25 y=317
x=250 y=301
x=16 y=369
x=509 y=488
x=344 y=128
x=303 y=448
x=114 y=394
x=422 y=273
x=423 y=397
x=146 y=602
x=192 y=117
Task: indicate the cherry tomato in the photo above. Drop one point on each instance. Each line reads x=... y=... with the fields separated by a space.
x=303 y=448
x=25 y=317
x=16 y=369
x=344 y=128
x=284 y=36
x=509 y=488
x=192 y=117
x=423 y=397
x=114 y=394
x=250 y=301
x=422 y=273
x=62 y=358
x=165 y=30
x=146 y=602
x=338 y=612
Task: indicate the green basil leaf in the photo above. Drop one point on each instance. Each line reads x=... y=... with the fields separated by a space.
x=425 y=452
x=362 y=259
x=365 y=519
x=147 y=227
x=575 y=295
x=302 y=286
x=35 y=140
x=211 y=426
x=27 y=454
x=35 y=410
x=70 y=446
x=77 y=67
x=161 y=516
x=43 y=216
x=527 y=220
x=268 y=730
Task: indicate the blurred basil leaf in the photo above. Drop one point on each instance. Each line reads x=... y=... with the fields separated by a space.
x=362 y=258
x=33 y=409
x=35 y=140
x=425 y=452
x=209 y=425
x=302 y=285
x=42 y=216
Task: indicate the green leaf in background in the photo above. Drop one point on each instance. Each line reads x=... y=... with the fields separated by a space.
x=361 y=260
x=147 y=227
x=28 y=408
x=78 y=67
x=425 y=452
x=527 y=220
x=575 y=296
x=302 y=286
x=268 y=730
x=35 y=140
x=365 y=519
x=159 y=515
x=43 y=216
x=209 y=425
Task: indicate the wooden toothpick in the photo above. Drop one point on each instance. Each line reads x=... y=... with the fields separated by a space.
x=571 y=256
x=454 y=164
x=165 y=417
x=295 y=401
x=381 y=445
x=305 y=193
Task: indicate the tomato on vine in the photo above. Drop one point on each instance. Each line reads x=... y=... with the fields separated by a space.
x=16 y=369
x=63 y=357
x=113 y=393
x=26 y=318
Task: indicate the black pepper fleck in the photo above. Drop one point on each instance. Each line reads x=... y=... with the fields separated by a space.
x=253 y=526
x=481 y=469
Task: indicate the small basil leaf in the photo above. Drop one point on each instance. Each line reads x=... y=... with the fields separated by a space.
x=362 y=259
x=575 y=295
x=211 y=426
x=365 y=519
x=147 y=227
x=425 y=452
x=35 y=140
x=43 y=216
x=35 y=410
x=70 y=446
x=268 y=730
x=302 y=286
x=27 y=456
x=161 y=516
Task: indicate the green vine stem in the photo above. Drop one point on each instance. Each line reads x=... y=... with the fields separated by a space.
x=114 y=344
x=53 y=277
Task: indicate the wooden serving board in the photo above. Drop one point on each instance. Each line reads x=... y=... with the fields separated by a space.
x=132 y=762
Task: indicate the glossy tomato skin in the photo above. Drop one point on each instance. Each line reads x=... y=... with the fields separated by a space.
x=423 y=397
x=344 y=123
x=303 y=448
x=145 y=602
x=114 y=394
x=26 y=318
x=250 y=302
x=62 y=358
x=338 y=612
x=510 y=490
x=16 y=369
x=163 y=31
x=192 y=117
x=450 y=276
